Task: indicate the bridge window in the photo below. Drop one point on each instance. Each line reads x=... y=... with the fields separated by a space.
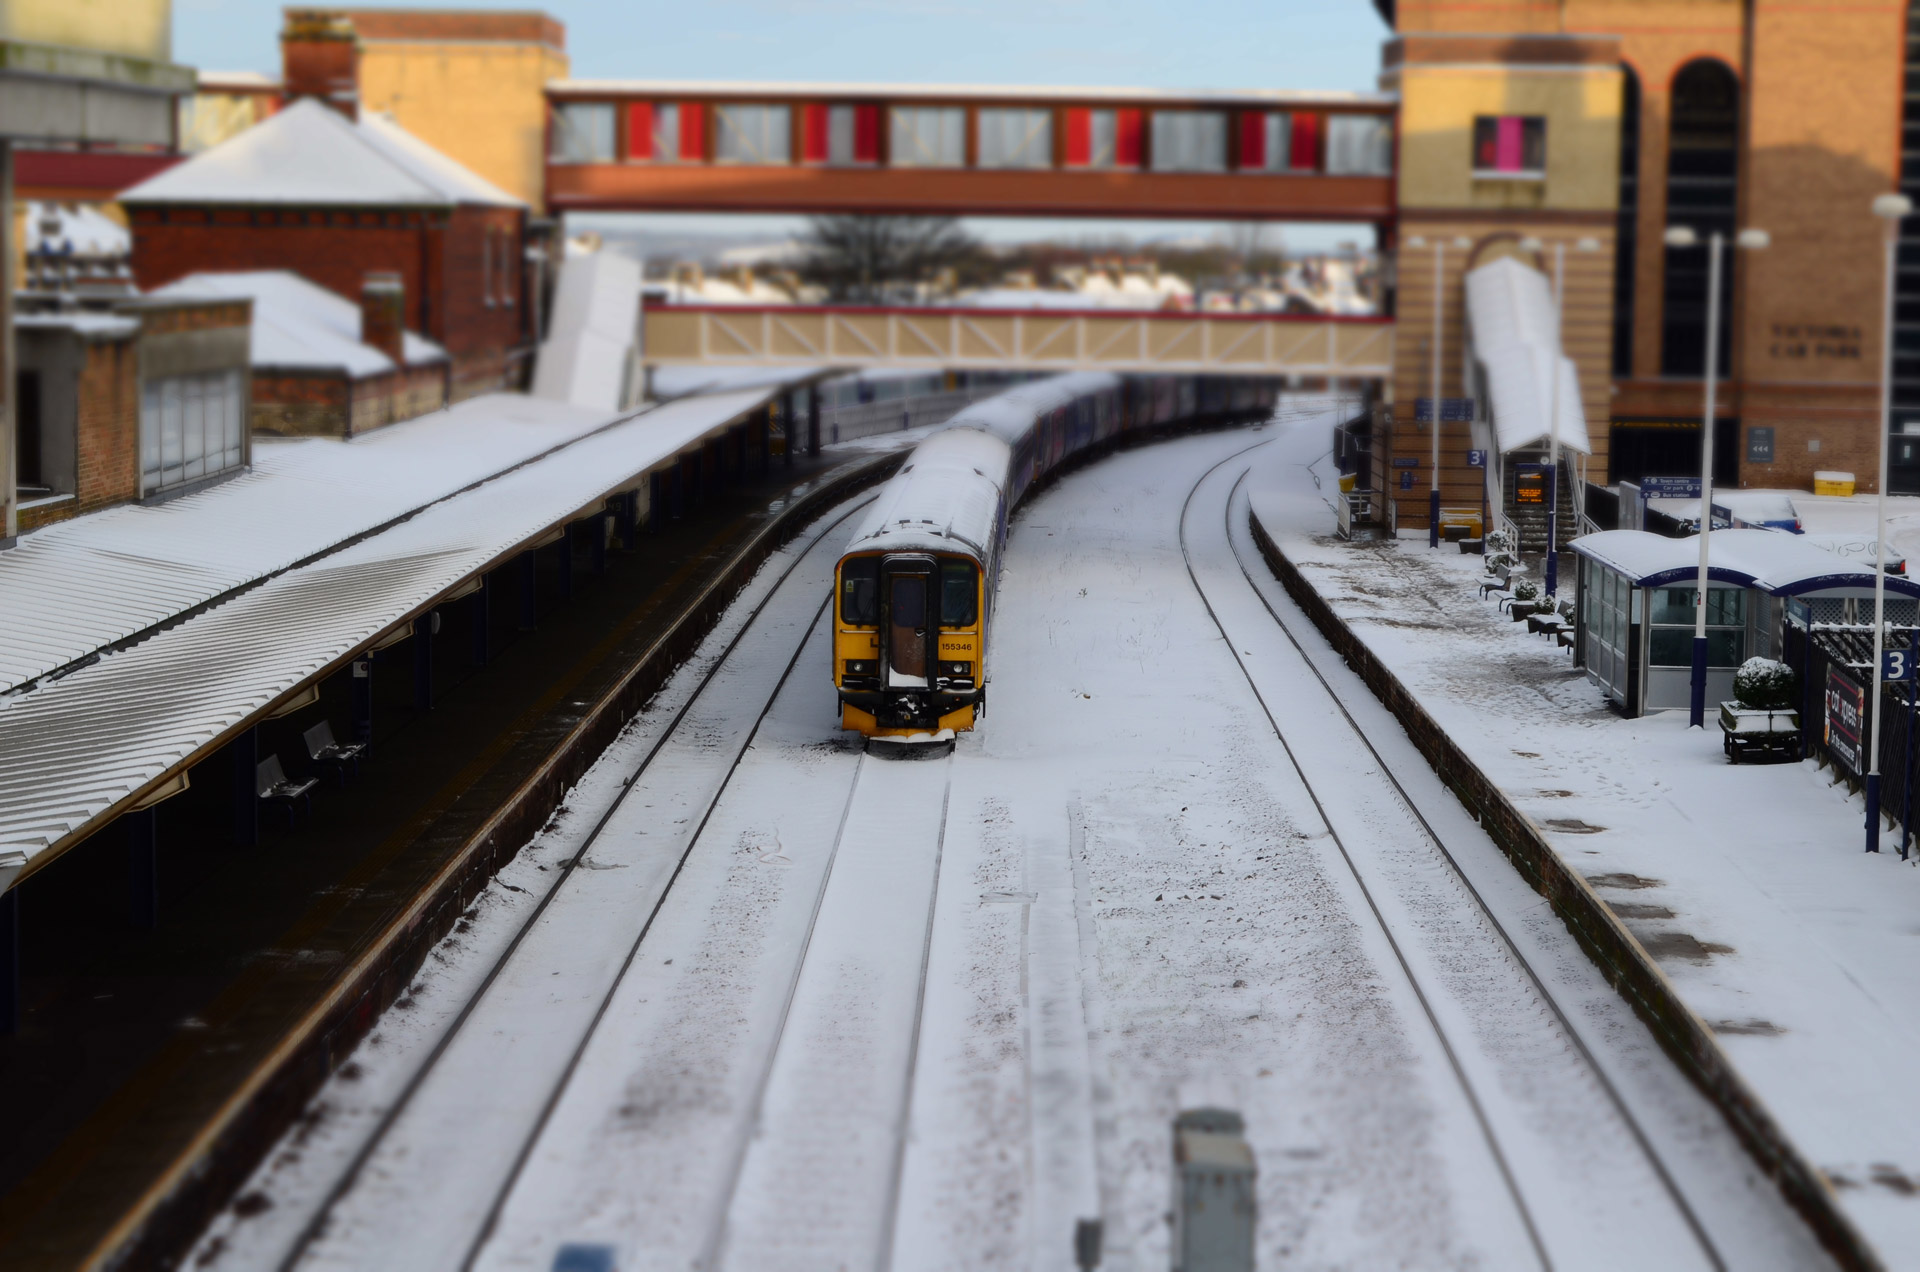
x=1103 y=138
x=1362 y=145
x=1189 y=141
x=667 y=132
x=929 y=137
x=583 y=132
x=752 y=134
x=843 y=136
x=1016 y=138
x=1279 y=141
x=1510 y=146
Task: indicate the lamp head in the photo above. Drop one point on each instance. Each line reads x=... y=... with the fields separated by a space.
x=1753 y=240
x=1416 y=241
x=1892 y=207
x=1680 y=236
x=1588 y=244
x=1531 y=244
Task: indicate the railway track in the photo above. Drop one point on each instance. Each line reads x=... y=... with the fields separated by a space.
x=1361 y=802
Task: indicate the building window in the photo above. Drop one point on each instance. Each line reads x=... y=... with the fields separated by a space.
x=666 y=132
x=1279 y=141
x=1671 y=613
x=1905 y=475
x=1189 y=141
x=509 y=277
x=583 y=132
x=191 y=426
x=840 y=136
x=1102 y=138
x=1016 y=138
x=1703 y=156
x=486 y=267
x=752 y=134
x=928 y=137
x=1513 y=147
x=1626 y=234
x=1362 y=145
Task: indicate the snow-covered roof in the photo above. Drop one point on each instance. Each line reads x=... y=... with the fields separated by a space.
x=298 y=324
x=1010 y=415
x=1775 y=562
x=93 y=325
x=945 y=499
x=1516 y=337
x=311 y=154
x=76 y=228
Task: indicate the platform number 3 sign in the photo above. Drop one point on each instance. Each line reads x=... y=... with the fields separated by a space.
x=1896 y=664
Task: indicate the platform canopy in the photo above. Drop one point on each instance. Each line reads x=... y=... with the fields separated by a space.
x=1516 y=338
x=1772 y=561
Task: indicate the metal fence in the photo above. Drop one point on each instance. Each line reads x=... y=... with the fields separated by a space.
x=1836 y=666
x=866 y=419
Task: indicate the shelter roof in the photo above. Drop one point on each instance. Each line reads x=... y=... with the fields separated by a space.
x=298 y=324
x=1771 y=560
x=310 y=154
x=1516 y=336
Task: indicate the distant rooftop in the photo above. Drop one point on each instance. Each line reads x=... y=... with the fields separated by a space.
x=298 y=325
x=311 y=155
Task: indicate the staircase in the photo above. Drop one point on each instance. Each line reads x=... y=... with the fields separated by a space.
x=1531 y=519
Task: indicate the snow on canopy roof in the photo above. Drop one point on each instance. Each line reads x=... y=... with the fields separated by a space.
x=311 y=154
x=946 y=498
x=1775 y=562
x=1516 y=338
x=298 y=323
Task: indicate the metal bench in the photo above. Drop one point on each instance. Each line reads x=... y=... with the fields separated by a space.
x=273 y=785
x=322 y=749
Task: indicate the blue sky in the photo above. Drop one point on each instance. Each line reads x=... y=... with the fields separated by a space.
x=1317 y=44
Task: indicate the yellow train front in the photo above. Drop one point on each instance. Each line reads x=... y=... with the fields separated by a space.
x=909 y=642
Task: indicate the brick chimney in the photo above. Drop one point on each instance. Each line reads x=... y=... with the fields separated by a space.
x=320 y=57
x=383 y=313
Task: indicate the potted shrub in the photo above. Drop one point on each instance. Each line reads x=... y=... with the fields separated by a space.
x=1526 y=595
x=1764 y=714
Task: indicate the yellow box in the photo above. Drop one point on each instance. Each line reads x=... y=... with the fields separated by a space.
x=1833 y=484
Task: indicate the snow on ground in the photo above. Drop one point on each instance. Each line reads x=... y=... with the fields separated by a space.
x=1746 y=883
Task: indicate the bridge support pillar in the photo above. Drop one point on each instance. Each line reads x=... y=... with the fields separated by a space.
x=244 y=754
x=143 y=868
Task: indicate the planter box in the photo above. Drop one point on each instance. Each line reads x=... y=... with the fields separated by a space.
x=1759 y=731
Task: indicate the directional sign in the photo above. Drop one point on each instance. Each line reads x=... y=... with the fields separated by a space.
x=1452 y=410
x=1670 y=487
x=1406 y=479
x=1897 y=664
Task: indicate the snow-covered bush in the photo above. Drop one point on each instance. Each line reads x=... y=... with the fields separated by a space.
x=1525 y=590
x=1762 y=684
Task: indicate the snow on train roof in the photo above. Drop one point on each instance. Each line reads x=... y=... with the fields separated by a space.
x=945 y=499
x=1010 y=415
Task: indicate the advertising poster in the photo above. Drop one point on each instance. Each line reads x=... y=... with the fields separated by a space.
x=1846 y=712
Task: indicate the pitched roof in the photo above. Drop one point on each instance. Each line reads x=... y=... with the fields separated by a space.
x=310 y=154
x=300 y=324
x=1516 y=336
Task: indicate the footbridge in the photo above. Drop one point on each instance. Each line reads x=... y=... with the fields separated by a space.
x=1019 y=339
x=660 y=146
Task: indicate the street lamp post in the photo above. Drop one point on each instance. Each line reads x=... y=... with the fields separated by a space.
x=1753 y=240
x=1439 y=338
x=1890 y=208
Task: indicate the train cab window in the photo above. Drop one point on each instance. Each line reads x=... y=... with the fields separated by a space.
x=959 y=597
x=860 y=591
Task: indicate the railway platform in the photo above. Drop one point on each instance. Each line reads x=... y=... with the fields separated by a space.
x=172 y=1014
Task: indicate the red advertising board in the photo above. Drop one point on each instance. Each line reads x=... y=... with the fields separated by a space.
x=1846 y=712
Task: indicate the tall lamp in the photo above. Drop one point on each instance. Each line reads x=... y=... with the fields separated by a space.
x=1683 y=236
x=1439 y=337
x=1890 y=208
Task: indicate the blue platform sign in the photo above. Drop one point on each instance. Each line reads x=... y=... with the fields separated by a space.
x=1670 y=487
x=1406 y=479
x=1452 y=410
x=1476 y=459
x=1896 y=664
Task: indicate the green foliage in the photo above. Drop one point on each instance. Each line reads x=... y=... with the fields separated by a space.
x=1525 y=590
x=1762 y=684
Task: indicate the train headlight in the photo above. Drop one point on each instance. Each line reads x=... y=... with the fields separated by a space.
x=862 y=666
x=957 y=668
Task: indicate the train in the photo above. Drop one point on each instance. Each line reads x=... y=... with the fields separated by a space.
x=914 y=589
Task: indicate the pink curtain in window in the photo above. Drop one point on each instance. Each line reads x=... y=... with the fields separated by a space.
x=1508 y=156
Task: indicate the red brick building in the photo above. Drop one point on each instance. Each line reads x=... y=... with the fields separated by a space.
x=335 y=199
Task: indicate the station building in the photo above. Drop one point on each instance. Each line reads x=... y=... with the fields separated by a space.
x=1596 y=126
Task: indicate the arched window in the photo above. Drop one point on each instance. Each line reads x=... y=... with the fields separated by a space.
x=1625 y=235
x=1905 y=450
x=1703 y=155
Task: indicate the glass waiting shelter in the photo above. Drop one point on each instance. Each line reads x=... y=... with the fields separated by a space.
x=1636 y=607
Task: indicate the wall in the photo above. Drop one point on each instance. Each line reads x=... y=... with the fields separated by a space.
x=317 y=403
x=102 y=403
x=470 y=85
x=129 y=28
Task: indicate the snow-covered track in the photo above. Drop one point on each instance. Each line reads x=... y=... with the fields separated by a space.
x=461 y=1129
x=1555 y=1126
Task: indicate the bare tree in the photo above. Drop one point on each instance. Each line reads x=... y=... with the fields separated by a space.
x=867 y=259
